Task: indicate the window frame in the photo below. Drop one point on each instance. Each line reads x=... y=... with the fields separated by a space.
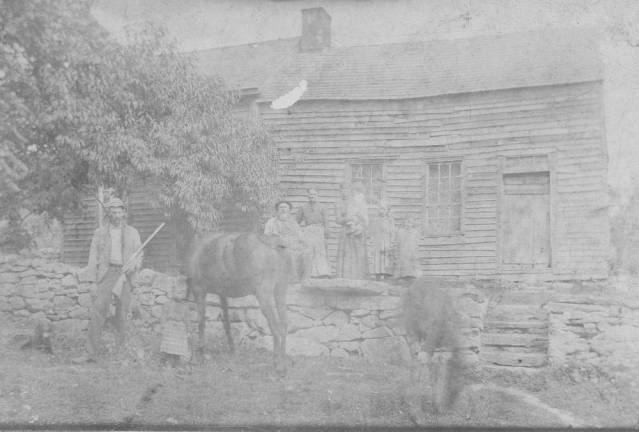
x=374 y=162
x=427 y=232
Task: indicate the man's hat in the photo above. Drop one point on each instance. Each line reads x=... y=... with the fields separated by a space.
x=114 y=202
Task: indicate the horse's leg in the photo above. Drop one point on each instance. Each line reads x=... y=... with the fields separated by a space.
x=227 y=322
x=281 y=307
x=200 y=301
x=265 y=297
x=440 y=377
x=413 y=390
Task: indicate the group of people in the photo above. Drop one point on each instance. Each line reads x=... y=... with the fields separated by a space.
x=305 y=233
x=115 y=255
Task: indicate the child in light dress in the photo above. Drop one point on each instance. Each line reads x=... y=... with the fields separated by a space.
x=175 y=324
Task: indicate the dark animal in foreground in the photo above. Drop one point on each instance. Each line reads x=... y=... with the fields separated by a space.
x=236 y=265
x=41 y=339
x=432 y=332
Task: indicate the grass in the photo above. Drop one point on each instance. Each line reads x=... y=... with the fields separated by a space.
x=132 y=387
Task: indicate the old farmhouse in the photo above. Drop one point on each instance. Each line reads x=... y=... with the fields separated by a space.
x=494 y=145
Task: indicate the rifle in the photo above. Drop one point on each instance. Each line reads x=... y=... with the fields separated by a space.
x=117 y=288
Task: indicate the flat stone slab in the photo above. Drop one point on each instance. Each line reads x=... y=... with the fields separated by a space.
x=347 y=287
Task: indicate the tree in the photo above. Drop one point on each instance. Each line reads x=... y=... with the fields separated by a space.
x=78 y=109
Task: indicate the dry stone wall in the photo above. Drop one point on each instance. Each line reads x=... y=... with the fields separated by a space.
x=336 y=317
x=600 y=329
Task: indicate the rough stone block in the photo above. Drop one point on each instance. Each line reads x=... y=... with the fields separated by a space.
x=9 y=278
x=357 y=313
x=348 y=332
x=306 y=347
x=62 y=302
x=16 y=302
x=84 y=300
x=368 y=303
x=237 y=315
x=22 y=313
x=145 y=277
x=349 y=346
x=5 y=306
x=38 y=317
x=391 y=313
x=42 y=285
x=7 y=289
x=244 y=302
x=239 y=331
x=262 y=341
x=369 y=322
x=393 y=350
x=161 y=299
x=336 y=318
x=296 y=296
x=339 y=352
x=319 y=334
x=256 y=320
x=379 y=332
x=34 y=304
x=28 y=273
x=86 y=287
x=213 y=313
x=28 y=291
x=212 y=299
x=156 y=311
x=69 y=281
x=315 y=314
x=146 y=299
x=29 y=280
x=297 y=321
x=79 y=312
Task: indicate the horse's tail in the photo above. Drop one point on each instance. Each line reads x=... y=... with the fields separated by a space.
x=227 y=322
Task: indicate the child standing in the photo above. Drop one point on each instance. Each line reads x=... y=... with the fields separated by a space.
x=175 y=322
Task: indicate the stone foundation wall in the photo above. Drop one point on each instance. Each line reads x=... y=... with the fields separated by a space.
x=335 y=317
x=600 y=329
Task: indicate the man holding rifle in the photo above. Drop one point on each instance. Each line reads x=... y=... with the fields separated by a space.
x=115 y=255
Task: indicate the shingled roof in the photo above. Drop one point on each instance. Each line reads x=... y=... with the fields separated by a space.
x=245 y=66
x=409 y=70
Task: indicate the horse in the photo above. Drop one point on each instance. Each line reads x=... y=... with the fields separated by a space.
x=432 y=332
x=237 y=265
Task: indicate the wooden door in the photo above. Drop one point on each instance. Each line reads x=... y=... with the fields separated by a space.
x=526 y=221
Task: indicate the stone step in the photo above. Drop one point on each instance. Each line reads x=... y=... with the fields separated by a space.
x=515 y=340
x=511 y=358
x=524 y=297
x=525 y=325
x=516 y=312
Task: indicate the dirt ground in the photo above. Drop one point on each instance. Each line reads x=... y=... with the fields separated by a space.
x=133 y=387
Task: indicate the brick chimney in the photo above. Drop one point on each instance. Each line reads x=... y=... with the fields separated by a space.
x=316 y=30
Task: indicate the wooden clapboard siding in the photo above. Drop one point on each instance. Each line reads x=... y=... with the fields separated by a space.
x=317 y=139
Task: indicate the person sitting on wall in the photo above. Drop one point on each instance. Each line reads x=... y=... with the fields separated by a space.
x=110 y=266
x=314 y=222
x=286 y=228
